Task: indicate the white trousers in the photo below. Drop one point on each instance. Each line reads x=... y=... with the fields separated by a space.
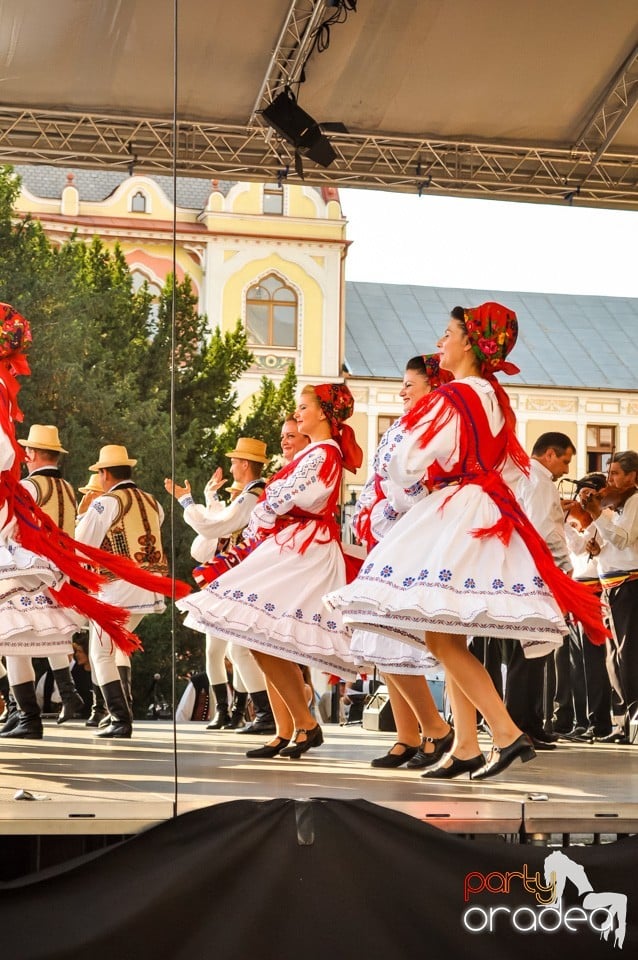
x=105 y=657
x=247 y=676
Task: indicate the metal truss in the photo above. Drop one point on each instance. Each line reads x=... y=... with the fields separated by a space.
x=506 y=171
x=611 y=111
x=291 y=50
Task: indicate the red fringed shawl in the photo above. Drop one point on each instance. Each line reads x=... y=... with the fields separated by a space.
x=481 y=458
x=38 y=533
x=325 y=526
x=362 y=525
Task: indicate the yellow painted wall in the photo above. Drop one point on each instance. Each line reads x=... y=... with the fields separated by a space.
x=311 y=302
x=537 y=427
x=632 y=434
x=248 y=200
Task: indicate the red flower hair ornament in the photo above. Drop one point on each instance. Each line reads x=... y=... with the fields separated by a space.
x=492 y=329
x=15 y=337
x=337 y=404
x=433 y=371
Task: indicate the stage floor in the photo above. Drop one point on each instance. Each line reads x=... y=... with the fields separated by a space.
x=84 y=785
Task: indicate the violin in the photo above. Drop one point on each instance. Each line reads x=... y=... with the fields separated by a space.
x=612 y=497
x=574 y=510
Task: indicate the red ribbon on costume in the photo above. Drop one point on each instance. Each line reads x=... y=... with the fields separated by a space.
x=362 y=524
x=479 y=469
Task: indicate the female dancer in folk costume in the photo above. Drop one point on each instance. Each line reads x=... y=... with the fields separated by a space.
x=40 y=608
x=486 y=570
x=422 y=735
x=271 y=602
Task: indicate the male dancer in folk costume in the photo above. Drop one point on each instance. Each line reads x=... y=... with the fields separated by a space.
x=422 y=734
x=99 y=715
x=55 y=496
x=214 y=522
x=45 y=575
x=487 y=571
x=297 y=542
x=124 y=521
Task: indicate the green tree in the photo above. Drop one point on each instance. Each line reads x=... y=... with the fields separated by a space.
x=107 y=369
x=268 y=409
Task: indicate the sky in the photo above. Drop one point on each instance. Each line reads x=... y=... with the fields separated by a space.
x=490 y=244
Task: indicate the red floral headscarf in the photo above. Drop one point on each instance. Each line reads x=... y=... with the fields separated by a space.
x=492 y=329
x=337 y=403
x=433 y=371
x=15 y=337
x=15 y=332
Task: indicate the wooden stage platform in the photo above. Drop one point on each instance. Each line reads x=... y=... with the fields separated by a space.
x=86 y=786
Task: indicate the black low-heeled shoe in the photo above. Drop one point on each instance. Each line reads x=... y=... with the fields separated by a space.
x=442 y=745
x=617 y=735
x=502 y=757
x=314 y=738
x=268 y=750
x=455 y=769
x=391 y=760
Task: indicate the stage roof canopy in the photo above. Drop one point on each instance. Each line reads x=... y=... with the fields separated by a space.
x=529 y=100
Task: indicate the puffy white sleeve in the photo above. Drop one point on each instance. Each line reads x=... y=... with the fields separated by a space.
x=410 y=461
x=7 y=453
x=96 y=522
x=620 y=529
x=302 y=488
x=203 y=549
x=7 y=459
x=218 y=520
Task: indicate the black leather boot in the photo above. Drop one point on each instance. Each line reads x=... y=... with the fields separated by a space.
x=10 y=716
x=126 y=680
x=238 y=712
x=263 y=722
x=5 y=691
x=121 y=725
x=221 y=716
x=72 y=702
x=98 y=708
x=29 y=725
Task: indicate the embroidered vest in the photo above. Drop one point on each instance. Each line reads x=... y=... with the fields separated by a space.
x=135 y=532
x=56 y=498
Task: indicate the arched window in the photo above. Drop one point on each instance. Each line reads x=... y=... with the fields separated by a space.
x=271 y=313
x=138 y=202
x=273 y=198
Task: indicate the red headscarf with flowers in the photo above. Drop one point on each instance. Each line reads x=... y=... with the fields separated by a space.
x=337 y=404
x=492 y=330
x=15 y=337
x=433 y=371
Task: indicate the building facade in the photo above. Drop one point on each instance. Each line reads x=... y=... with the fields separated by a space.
x=274 y=257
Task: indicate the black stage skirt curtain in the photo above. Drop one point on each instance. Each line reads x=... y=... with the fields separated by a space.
x=323 y=879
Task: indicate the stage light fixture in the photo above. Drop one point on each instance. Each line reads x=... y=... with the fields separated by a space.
x=300 y=130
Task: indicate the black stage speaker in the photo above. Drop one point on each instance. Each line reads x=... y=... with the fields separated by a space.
x=377 y=715
x=297 y=127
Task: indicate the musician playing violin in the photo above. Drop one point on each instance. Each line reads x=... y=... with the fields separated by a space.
x=616 y=530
